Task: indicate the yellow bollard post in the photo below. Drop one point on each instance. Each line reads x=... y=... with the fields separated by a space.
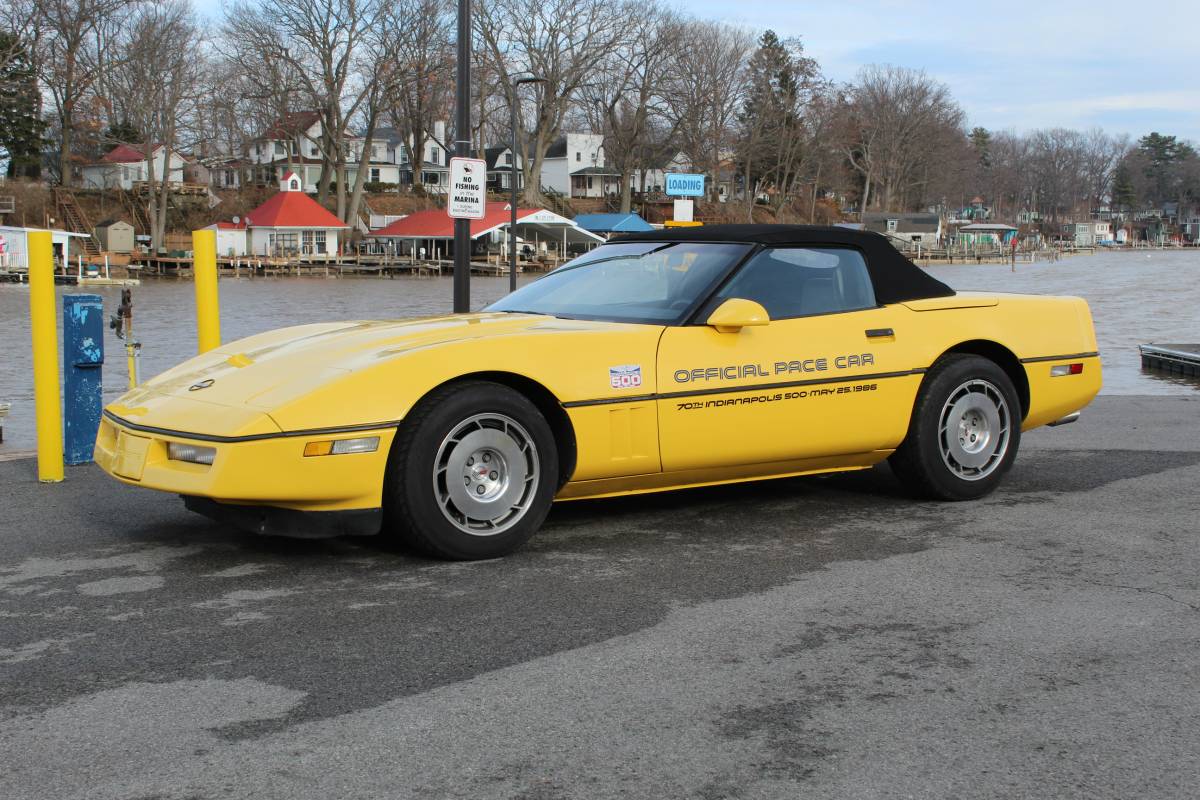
x=204 y=272
x=43 y=327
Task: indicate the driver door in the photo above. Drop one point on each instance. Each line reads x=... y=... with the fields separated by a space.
x=825 y=377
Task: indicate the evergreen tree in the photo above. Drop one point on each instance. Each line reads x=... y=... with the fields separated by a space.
x=1168 y=163
x=981 y=140
x=777 y=76
x=122 y=132
x=1124 y=193
x=22 y=131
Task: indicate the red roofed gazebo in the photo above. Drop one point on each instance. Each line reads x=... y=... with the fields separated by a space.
x=291 y=222
x=534 y=225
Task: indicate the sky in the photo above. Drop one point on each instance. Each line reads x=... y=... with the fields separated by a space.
x=1013 y=65
x=1126 y=67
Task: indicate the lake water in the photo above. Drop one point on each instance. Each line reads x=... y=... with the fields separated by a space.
x=1136 y=297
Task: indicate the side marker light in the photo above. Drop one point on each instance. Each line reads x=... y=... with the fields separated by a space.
x=340 y=447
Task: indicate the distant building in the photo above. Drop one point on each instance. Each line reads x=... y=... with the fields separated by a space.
x=655 y=179
x=14 y=246
x=291 y=223
x=574 y=166
x=986 y=234
x=499 y=168
x=231 y=238
x=905 y=228
x=434 y=169
x=1189 y=226
x=124 y=166
x=1087 y=234
x=224 y=172
x=294 y=143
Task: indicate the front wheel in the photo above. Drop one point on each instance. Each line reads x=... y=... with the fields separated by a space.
x=472 y=473
x=964 y=433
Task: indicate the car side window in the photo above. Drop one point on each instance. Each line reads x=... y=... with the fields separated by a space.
x=802 y=281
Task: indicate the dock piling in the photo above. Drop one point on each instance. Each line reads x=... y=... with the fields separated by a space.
x=204 y=270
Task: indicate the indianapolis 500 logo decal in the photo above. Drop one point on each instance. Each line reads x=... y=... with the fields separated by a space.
x=626 y=376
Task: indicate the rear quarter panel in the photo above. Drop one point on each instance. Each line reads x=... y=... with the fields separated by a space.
x=1040 y=331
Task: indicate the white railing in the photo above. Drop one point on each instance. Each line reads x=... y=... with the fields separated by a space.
x=14 y=261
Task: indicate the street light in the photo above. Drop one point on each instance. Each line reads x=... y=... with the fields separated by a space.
x=512 y=180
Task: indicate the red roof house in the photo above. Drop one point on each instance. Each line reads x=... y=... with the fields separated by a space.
x=292 y=223
x=125 y=165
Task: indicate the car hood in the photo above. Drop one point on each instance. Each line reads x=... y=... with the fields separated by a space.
x=263 y=371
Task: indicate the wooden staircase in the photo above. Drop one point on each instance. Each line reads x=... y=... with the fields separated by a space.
x=139 y=212
x=75 y=219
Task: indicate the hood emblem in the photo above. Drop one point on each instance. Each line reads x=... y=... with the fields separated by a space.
x=204 y=384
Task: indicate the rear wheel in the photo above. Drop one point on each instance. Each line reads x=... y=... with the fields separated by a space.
x=472 y=473
x=965 y=430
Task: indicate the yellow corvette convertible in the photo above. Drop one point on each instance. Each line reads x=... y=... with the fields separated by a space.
x=662 y=360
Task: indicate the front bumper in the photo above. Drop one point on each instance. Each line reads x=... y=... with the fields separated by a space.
x=267 y=471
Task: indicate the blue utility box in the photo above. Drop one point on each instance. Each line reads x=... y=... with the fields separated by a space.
x=83 y=359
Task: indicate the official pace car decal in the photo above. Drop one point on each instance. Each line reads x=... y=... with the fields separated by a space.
x=625 y=376
x=732 y=372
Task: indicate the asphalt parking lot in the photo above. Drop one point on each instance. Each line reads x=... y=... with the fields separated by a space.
x=816 y=638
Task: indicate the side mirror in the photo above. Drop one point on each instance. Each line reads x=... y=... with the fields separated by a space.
x=737 y=313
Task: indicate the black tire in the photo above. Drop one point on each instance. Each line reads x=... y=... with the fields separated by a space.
x=973 y=397
x=447 y=438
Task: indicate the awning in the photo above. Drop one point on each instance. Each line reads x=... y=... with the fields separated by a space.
x=531 y=223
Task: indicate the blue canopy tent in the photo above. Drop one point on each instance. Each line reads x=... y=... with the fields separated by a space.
x=613 y=223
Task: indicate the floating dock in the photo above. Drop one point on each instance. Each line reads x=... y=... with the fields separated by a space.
x=1176 y=359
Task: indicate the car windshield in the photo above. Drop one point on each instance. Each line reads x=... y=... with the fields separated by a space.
x=647 y=282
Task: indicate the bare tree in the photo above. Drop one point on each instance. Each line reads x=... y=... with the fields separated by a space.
x=260 y=90
x=560 y=41
x=423 y=84
x=702 y=93
x=624 y=96
x=322 y=41
x=75 y=38
x=159 y=84
x=894 y=121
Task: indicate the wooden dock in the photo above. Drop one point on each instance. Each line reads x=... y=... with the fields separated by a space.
x=1176 y=359
x=342 y=266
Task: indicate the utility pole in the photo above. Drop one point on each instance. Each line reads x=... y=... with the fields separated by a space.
x=462 y=148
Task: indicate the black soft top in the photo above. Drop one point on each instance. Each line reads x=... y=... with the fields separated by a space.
x=894 y=277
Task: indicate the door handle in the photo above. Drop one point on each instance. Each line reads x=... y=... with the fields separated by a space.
x=879 y=333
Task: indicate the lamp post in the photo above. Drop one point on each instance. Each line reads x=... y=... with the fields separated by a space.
x=512 y=180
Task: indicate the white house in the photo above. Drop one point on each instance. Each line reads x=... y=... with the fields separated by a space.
x=292 y=223
x=124 y=166
x=224 y=172
x=14 y=246
x=293 y=143
x=656 y=176
x=904 y=227
x=1086 y=234
x=574 y=166
x=500 y=168
x=434 y=169
x=1189 y=226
